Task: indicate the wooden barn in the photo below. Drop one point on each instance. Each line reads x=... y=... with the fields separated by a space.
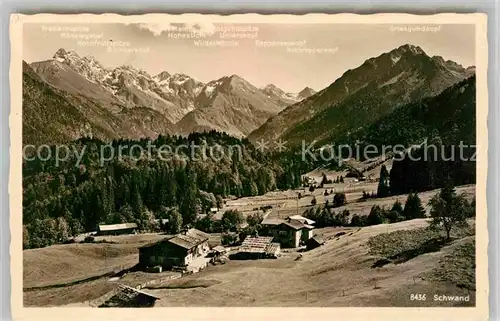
x=258 y=247
x=117 y=229
x=177 y=251
x=128 y=297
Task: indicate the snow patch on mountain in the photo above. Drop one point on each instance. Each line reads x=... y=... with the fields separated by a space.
x=395 y=59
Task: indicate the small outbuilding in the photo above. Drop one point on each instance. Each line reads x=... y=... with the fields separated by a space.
x=314 y=242
x=257 y=247
x=128 y=297
x=117 y=229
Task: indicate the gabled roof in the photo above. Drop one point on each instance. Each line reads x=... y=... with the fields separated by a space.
x=220 y=249
x=302 y=219
x=131 y=289
x=318 y=239
x=271 y=221
x=154 y=243
x=192 y=238
x=116 y=227
x=296 y=225
x=255 y=244
x=198 y=234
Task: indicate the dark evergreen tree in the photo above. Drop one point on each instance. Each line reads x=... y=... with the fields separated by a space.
x=189 y=205
x=339 y=199
x=174 y=220
x=376 y=216
x=397 y=207
x=413 y=207
x=383 y=183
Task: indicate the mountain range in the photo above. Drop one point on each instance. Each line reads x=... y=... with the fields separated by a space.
x=69 y=96
x=179 y=103
x=363 y=95
x=52 y=115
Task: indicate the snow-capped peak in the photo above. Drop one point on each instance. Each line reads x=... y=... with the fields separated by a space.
x=162 y=76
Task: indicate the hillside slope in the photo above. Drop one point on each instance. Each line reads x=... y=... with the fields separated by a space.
x=337 y=274
x=451 y=115
x=363 y=95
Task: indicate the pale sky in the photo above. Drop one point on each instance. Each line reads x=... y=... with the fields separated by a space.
x=152 y=48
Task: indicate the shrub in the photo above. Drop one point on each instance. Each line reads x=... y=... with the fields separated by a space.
x=358 y=220
x=458 y=267
x=393 y=216
x=174 y=220
x=232 y=219
x=229 y=238
x=339 y=199
x=397 y=207
x=249 y=230
x=368 y=195
x=206 y=224
x=89 y=239
x=255 y=219
x=343 y=218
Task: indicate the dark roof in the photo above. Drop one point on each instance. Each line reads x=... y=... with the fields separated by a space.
x=257 y=244
x=271 y=221
x=190 y=239
x=294 y=224
x=155 y=243
x=317 y=239
x=198 y=234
